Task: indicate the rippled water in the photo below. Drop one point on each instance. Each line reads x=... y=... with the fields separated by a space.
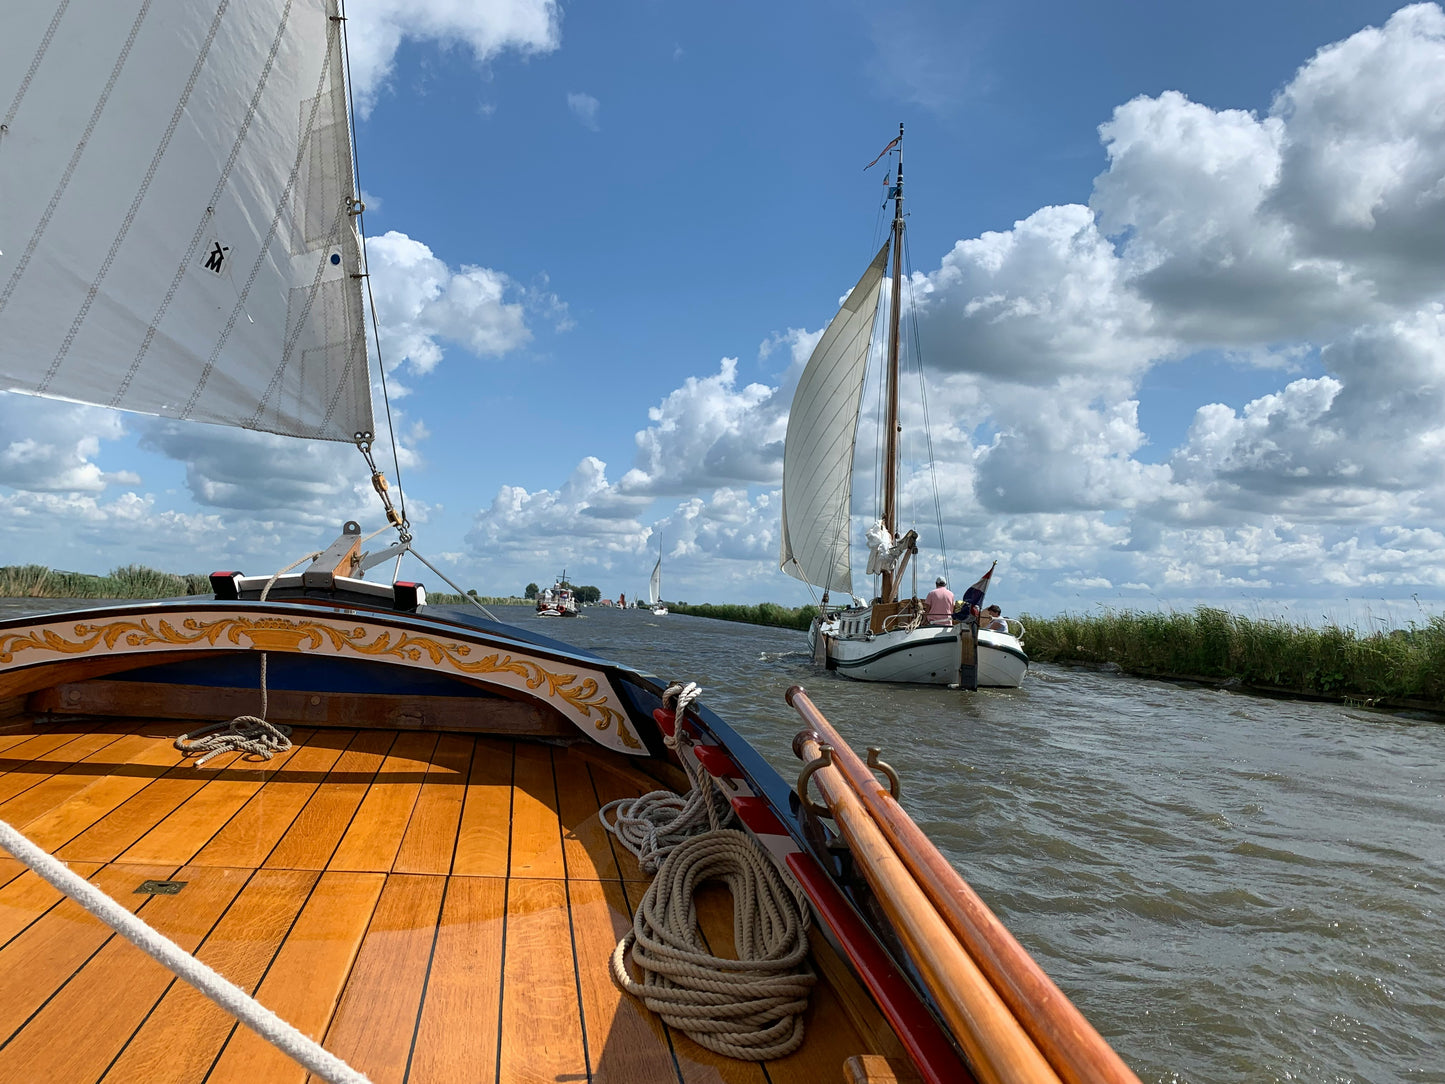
x=1230 y=888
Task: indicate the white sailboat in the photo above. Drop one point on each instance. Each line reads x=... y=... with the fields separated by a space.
x=890 y=638
x=654 y=585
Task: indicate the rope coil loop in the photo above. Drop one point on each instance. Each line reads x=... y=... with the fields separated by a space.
x=247 y=734
x=750 y=1007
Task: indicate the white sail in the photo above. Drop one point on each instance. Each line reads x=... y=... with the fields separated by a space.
x=818 y=452
x=176 y=190
x=654 y=585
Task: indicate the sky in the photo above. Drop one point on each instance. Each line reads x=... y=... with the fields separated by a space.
x=1178 y=275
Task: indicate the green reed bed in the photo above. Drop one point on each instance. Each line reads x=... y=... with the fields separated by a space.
x=129 y=581
x=767 y=613
x=1403 y=666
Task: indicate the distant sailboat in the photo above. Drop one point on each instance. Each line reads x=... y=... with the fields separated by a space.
x=654 y=585
x=890 y=639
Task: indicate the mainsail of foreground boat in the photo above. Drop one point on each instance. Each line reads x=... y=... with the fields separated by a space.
x=889 y=639
x=409 y=852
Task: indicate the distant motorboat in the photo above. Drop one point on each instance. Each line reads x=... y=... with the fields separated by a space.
x=557 y=600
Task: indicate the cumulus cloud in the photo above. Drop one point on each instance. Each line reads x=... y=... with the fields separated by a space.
x=422 y=303
x=585 y=108
x=51 y=447
x=377 y=28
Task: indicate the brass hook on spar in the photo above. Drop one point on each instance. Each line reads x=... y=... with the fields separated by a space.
x=824 y=760
x=883 y=766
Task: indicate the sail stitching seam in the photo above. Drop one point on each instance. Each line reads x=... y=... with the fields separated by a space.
x=154 y=328
x=75 y=157
x=261 y=251
x=35 y=62
x=333 y=40
x=140 y=195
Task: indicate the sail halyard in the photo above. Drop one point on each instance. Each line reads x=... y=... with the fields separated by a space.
x=821 y=438
x=177 y=221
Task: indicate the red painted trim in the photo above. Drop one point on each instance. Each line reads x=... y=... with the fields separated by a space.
x=932 y=1052
x=757 y=814
x=717 y=762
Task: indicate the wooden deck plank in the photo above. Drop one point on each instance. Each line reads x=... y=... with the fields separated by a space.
x=700 y=1065
x=536 y=829
x=152 y=798
x=611 y=785
x=376 y=1020
x=180 y=1040
x=250 y=836
x=127 y=760
x=41 y=770
x=541 y=1038
x=88 y=1022
x=306 y=978
x=10 y=741
x=456 y=1041
x=24 y=896
x=587 y=846
x=625 y=1042
x=431 y=835
x=374 y=836
x=314 y=834
x=484 y=833
x=37 y=961
x=181 y=834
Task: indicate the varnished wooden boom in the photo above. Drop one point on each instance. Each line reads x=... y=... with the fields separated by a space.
x=998 y=1049
x=1077 y=1053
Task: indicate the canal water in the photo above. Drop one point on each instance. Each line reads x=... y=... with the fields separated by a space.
x=1230 y=888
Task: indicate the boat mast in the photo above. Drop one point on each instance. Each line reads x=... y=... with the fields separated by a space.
x=890 y=475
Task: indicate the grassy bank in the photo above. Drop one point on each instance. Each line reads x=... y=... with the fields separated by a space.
x=767 y=613
x=130 y=581
x=136 y=581
x=1402 y=667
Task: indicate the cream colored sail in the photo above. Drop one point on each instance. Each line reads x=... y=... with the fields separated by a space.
x=654 y=585
x=176 y=190
x=818 y=451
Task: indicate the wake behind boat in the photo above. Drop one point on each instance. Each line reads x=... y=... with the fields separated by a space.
x=413 y=852
x=891 y=638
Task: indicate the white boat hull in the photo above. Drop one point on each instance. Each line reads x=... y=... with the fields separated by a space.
x=928 y=656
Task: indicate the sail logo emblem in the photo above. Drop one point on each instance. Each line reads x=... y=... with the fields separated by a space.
x=217 y=257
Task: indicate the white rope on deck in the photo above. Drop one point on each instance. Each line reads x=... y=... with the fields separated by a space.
x=652 y=824
x=750 y=1007
x=168 y=954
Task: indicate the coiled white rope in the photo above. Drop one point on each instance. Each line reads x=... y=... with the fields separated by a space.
x=750 y=1007
x=651 y=825
x=168 y=954
x=247 y=734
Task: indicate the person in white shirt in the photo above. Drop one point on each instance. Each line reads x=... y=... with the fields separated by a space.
x=994 y=616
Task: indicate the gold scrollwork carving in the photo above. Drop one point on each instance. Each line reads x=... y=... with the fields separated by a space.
x=287 y=635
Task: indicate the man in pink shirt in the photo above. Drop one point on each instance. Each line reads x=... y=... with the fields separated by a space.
x=940 y=604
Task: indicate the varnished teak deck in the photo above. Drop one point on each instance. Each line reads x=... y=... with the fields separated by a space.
x=431 y=907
